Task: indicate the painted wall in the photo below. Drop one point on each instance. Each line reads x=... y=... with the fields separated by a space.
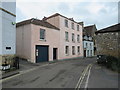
x=52 y=38
x=23 y=41
x=61 y=24
x=8 y=34
x=89 y=48
x=10 y=6
x=28 y=36
x=54 y=21
x=0 y=33
x=8 y=30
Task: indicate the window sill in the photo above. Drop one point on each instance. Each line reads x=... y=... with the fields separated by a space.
x=66 y=26
x=67 y=54
x=67 y=40
x=43 y=40
x=78 y=53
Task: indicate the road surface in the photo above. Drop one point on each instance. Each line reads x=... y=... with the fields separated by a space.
x=79 y=73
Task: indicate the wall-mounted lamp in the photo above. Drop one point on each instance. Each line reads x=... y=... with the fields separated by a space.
x=13 y=23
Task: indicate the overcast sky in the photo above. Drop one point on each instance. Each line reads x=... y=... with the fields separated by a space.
x=102 y=13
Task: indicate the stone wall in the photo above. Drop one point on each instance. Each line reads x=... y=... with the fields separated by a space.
x=8 y=59
x=107 y=44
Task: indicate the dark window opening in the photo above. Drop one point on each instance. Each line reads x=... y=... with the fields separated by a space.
x=8 y=48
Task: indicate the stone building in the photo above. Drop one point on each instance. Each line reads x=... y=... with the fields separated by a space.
x=107 y=41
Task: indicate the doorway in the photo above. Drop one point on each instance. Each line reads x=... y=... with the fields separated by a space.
x=54 y=53
x=41 y=53
x=84 y=53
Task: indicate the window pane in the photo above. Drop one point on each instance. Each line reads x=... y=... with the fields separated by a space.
x=42 y=34
x=78 y=49
x=77 y=27
x=72 y=24
x=73 y=50
x=66 y=36
x=66 y=23
x=67 y=50
x=78 y=38
x=73 y=37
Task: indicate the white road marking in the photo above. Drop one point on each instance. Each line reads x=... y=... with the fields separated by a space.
x=82 y=77
x=80 y=81
x=86 y=84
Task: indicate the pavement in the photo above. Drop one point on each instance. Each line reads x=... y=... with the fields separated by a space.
x=24 y=66
x=103 y=77
x=79 y=73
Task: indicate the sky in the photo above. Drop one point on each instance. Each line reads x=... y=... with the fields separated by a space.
x=102 y=13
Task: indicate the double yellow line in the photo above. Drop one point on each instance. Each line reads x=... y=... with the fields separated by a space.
x=80 y=81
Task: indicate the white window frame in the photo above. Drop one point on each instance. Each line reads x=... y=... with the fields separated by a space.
x=72 y=25
x=78 y=27
x=66 y=36
x=78 y=38
x=78 y=50
x=73 y=37
x=44 y=34
x=66 y=23
x=73 y=50
x=67 y=50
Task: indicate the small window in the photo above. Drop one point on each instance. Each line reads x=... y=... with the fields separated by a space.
x=73 y=50
x=8 y=48
x=66 y=23
x=72 y=25
x=87 y=52
x=77 y=27
x=42 y=34
x=66 y=36
x=86 y=44
x=78 y=50
x=78 y=38
x=67 y=50
x=91 y=52
x=73 y=37
x=91 y=45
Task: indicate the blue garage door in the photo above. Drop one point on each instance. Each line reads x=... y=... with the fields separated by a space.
x=41 y=53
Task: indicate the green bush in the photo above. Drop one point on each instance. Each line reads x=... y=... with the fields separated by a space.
x=113 y=63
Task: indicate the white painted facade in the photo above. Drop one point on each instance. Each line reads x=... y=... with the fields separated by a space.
x=7 y=29
x=88 y=46
x=0 y=31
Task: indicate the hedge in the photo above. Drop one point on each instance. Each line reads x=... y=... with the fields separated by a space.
x=113 y=63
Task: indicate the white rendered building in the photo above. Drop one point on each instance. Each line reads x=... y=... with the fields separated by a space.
x=88 y=46
x=7 y=28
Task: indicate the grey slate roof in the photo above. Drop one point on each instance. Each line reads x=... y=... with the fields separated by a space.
x=113 y=28
x=36 y=22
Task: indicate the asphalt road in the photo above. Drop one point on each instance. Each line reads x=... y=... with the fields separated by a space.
x=79 y=73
